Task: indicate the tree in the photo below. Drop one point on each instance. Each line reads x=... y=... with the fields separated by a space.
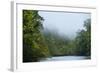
x=34 y=47
x=83 y=39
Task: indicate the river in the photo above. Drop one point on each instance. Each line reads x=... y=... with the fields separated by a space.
x=64 y=58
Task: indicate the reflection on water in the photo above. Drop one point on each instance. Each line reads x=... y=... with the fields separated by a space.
x=65 y=58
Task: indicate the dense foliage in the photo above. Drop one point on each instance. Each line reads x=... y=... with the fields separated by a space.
x=83 y=39
x=61 y=45
x=39 y=43
x=58 y=45
x=34 y=47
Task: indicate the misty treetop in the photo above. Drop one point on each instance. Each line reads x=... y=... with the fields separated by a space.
x=40 y=43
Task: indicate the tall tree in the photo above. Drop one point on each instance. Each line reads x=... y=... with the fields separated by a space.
x=83 y=40
x=34 y=47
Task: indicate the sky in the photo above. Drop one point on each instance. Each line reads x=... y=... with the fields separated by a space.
x=65 y=23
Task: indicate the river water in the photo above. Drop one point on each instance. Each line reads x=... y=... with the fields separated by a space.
x=65 y=58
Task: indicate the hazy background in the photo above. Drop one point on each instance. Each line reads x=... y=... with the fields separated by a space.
x=64 y=23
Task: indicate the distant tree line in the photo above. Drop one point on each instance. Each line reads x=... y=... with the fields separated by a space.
x=59 y=45
x=39 y=44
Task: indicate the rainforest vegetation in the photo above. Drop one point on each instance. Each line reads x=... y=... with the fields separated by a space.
x=39 y=43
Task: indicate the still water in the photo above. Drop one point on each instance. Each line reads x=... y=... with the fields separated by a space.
x=64 y=58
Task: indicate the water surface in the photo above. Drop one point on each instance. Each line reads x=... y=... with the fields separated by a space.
x=65 y=58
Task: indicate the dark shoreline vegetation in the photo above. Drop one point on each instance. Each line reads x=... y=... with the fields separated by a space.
x=40 y=43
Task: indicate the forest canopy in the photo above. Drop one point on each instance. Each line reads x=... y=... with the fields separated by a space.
x=40 y=43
